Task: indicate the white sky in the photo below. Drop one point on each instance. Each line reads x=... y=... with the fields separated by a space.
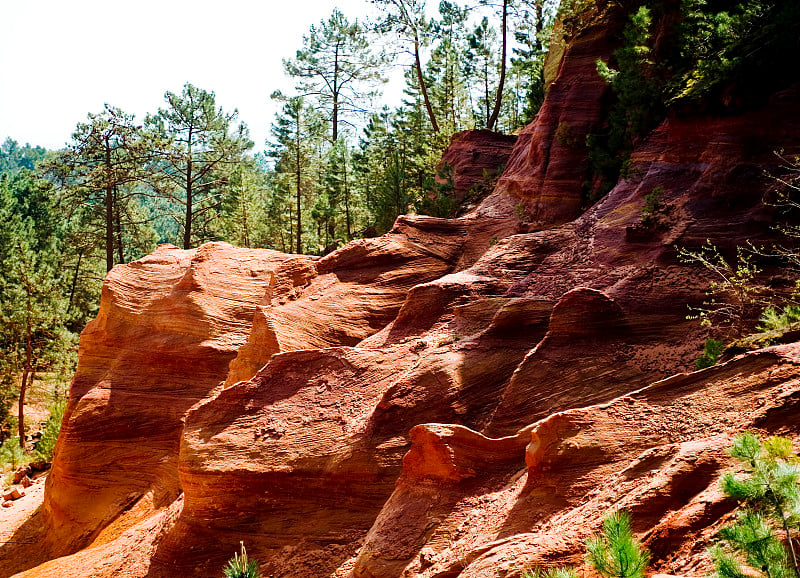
x=61 y=59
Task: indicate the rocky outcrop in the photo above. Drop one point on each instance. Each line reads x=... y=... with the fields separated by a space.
x=168 y=327
x=657 y=453
x=547 y=171
x=473 y=160
x=357 y=291
x=310 y=448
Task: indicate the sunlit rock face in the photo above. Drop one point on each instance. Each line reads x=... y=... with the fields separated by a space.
x=168 y=327
x=463 y=505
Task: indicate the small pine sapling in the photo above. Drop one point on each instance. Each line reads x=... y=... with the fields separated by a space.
x=770 y=495
x=773 y=319
x=616 y=553
x=711 y=351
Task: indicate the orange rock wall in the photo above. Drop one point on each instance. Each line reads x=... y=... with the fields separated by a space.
x=547 y=170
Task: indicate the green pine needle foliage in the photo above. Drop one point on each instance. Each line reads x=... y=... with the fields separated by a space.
x=565 y=572
x=11 y=454
x=45 y=446
x=765 y=529
x=777 y=320
x=615 y=553
x=711 y=351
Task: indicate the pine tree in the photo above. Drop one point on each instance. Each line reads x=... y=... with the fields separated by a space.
x=337 y=69
x=770 y=496
x=14 y=157
x=615 y=553
x=407 y=19
x=32 y=304
x=100 y=174
x=296 y=131
x=532 y=27
x=198 y=152
x=481 y=68
x=445 y=69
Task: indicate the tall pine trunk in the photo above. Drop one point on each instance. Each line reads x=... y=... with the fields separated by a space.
x=118 y=226
x=335 y=115
x=499 y=97
x=109 y=209
x=422 y=86
x=27 y=370
x=298 y=186
x=187 y=229
x=346 y=196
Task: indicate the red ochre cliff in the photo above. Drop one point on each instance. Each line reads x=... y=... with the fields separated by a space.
x=460 y=397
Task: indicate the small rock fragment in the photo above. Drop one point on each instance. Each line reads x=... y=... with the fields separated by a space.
x=21 y=473
x=426 y=558
x=13 y=494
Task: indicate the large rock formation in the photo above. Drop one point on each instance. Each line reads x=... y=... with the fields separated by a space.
x=474 y=159
x=168 y=326
x=457 y=398
x=548 y=169
x=464 y=507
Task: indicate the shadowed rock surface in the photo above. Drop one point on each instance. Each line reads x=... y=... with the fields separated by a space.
x=475 y=157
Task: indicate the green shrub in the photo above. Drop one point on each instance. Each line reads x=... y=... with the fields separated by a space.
x=652 y=201
x=637 y=82
x=11 y=454
x=732 y=48
x=242 y=566
x=521 y=212
x=774 y=320
x=45 y=446
x=770 y=496
x=7 y=394
x=615 y=553
x=711 y=351
x=733 y=293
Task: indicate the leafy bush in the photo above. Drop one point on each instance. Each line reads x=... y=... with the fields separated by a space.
x=733 y=292
x=45 y=446
x=11 y=454
x=711 y=352
x=770 y=496
x=242 y=566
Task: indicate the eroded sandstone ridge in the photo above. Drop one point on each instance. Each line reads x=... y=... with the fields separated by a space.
x=459 y=397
